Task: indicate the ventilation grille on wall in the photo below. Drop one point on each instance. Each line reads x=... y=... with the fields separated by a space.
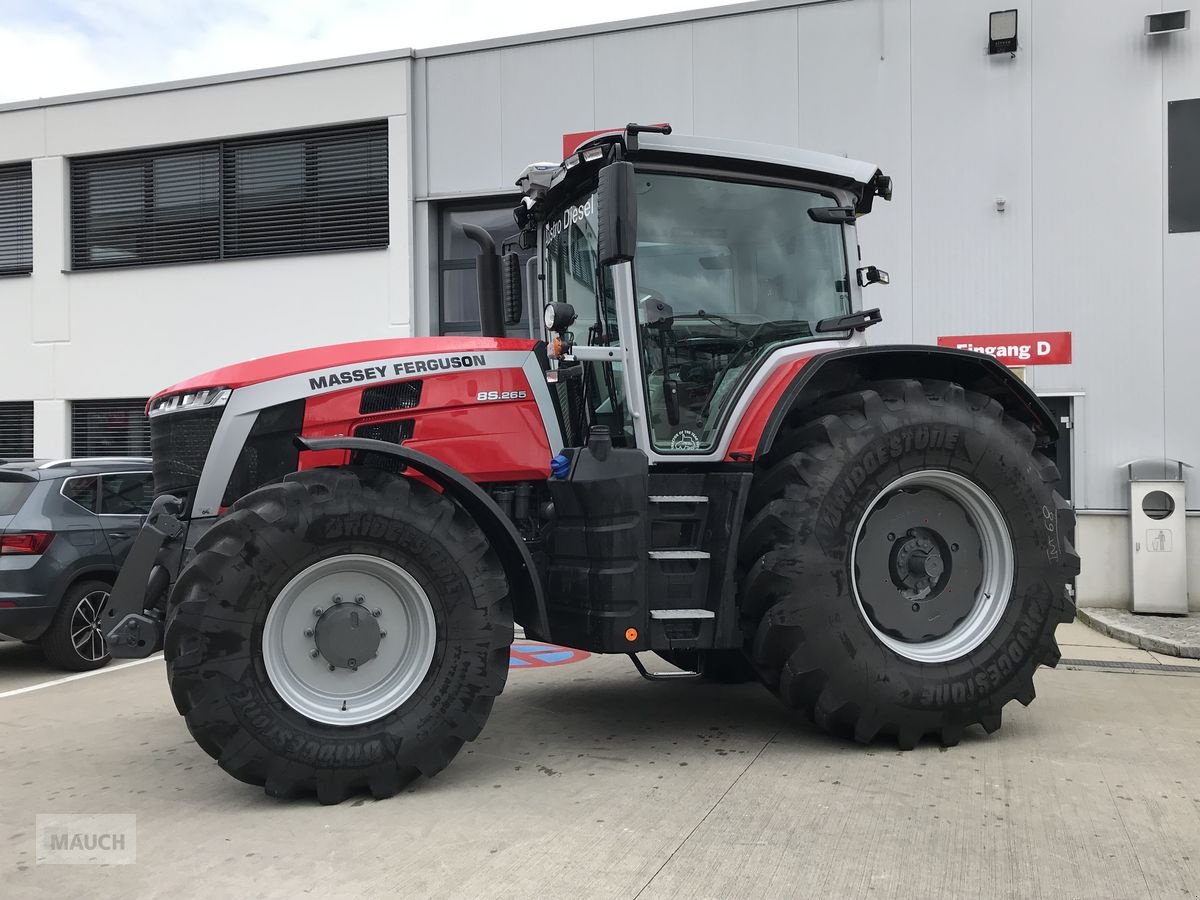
x=16 y=429
x=388 y=397
x=110 y=427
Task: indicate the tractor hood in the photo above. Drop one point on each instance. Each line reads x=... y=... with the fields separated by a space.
x=337 y=356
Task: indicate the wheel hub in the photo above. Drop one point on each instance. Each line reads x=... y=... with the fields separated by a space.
x=919 y=565
x=347 y=636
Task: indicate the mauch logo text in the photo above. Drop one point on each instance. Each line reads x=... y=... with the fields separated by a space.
x=68 y=839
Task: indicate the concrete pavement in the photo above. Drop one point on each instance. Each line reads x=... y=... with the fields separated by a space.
x=591 y=782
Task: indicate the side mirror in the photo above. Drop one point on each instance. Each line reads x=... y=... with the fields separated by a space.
x=616 y=216
x=832 y=215
x=510 y=288
x=872 y=275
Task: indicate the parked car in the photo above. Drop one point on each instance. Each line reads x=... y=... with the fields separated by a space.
x=66 y=527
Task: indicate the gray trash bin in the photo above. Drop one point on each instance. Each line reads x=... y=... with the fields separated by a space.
x=1158 y=536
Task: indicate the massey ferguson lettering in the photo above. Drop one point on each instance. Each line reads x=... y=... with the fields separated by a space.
x=392 y=370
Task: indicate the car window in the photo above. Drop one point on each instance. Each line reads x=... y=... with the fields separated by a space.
x=126 y=494
x=12 y=495
x=82 y=490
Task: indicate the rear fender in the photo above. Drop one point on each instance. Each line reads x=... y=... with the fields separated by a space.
x=839 y=371
x=525 y=587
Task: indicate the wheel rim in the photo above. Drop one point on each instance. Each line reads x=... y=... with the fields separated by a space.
x=87 y=632
x=932 y=566
x=349 y=639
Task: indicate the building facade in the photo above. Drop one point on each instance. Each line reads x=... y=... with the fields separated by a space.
x=151 y=233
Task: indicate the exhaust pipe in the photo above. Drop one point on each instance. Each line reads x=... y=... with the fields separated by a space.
x=487 y=274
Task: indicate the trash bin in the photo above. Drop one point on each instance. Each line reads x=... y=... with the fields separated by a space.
x=1158 y=536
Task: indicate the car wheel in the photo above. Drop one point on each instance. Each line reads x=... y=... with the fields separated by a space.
x=75 y=639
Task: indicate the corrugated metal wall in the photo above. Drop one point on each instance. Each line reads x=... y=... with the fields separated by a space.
x=1070 y=133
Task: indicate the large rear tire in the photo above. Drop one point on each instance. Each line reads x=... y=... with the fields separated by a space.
x=906 y=557
x=346 y=629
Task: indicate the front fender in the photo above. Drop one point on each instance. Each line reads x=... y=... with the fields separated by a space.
x=529 y=601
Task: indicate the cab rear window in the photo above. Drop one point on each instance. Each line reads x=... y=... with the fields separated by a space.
x=12 y=496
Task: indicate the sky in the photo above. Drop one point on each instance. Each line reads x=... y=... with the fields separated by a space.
x=51 y=47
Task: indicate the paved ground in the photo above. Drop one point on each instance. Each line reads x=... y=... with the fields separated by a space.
x=591 y=782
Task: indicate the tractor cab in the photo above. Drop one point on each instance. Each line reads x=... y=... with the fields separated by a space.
x=670 y=268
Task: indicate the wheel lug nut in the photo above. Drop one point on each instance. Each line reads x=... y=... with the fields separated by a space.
x=916 y=607
x=332 y=667
x=314 y=653
x=377 y=613
x=360 y=599
x=382 y=635
x=954 y=547
x=317 y=611
x=891 y=535
x=308 y=632
x=337 y=598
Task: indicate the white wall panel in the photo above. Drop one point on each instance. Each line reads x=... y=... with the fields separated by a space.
x=645 y=76
x=972 y=269
x=853 y=63
x=1098 y=227
x=298 y=100
x=1181 y=298
x=750 y=94
x=22 y=135
x=545 y=91
x=464 y=128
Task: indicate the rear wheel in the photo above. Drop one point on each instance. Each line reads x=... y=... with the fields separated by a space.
x=75 y=639
x=905 y=563
x=343 y=630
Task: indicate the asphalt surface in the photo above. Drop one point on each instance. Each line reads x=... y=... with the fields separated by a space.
x=591 y=782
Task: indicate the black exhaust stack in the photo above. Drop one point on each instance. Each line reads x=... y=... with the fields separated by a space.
x=487 y=275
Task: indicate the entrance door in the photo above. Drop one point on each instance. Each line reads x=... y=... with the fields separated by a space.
x=1060 y=408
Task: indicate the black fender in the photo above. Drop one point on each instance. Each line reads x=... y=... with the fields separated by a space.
x=839 y=371
x=529 y=600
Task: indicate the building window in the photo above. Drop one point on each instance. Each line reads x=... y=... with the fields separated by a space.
x=300 y=192
x=16 y=429
x=1183 y=176
x=110 y=428
x=458 y=293
x=16 y=220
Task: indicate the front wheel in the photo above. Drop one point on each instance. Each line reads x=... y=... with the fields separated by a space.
x=343 y=630
x=905 y=563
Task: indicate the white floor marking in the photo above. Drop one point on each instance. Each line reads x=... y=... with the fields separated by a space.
x=109 y=668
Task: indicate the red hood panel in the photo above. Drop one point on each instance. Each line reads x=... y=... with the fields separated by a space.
x=282 y=365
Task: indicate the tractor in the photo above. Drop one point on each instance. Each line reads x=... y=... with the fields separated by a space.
x=689 y=449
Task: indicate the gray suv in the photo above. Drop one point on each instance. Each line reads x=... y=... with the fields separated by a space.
x=66 y=527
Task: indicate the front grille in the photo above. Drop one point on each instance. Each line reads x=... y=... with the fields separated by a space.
x=179 y=445
x=270 y=451
x=389 y=397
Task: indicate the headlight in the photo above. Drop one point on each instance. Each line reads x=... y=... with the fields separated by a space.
x=205 y=398
x=558 y=316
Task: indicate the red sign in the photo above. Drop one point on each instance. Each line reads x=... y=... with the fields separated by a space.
x=572 y=141
x=1039 y=348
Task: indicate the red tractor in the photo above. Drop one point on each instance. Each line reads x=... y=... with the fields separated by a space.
x=699 y=456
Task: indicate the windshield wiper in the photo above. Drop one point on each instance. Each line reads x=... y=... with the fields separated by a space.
x=779 y=329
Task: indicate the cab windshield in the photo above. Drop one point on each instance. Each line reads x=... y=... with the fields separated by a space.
x=725 y=272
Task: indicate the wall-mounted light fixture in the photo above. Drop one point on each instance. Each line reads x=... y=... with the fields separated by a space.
x=1002 y=31
x=1166 y=22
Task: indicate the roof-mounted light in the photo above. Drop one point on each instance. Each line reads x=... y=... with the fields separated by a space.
x=206 y=398
x=571 y=161
x=591 y=154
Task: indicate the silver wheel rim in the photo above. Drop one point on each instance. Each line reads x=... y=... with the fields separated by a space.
x=390 y=596
x=996 y=556
x=87 y=632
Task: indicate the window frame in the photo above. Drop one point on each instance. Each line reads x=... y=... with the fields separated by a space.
x=22 y=219
x=62 y=489
x=493 y=203
x=297 y=233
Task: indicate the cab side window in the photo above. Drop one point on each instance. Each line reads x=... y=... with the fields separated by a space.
x=126 y=494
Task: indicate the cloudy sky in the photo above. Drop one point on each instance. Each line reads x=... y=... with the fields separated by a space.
x=50 y=47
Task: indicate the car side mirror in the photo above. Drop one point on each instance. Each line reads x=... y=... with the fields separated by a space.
x=510 y=288
x=872 y=275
